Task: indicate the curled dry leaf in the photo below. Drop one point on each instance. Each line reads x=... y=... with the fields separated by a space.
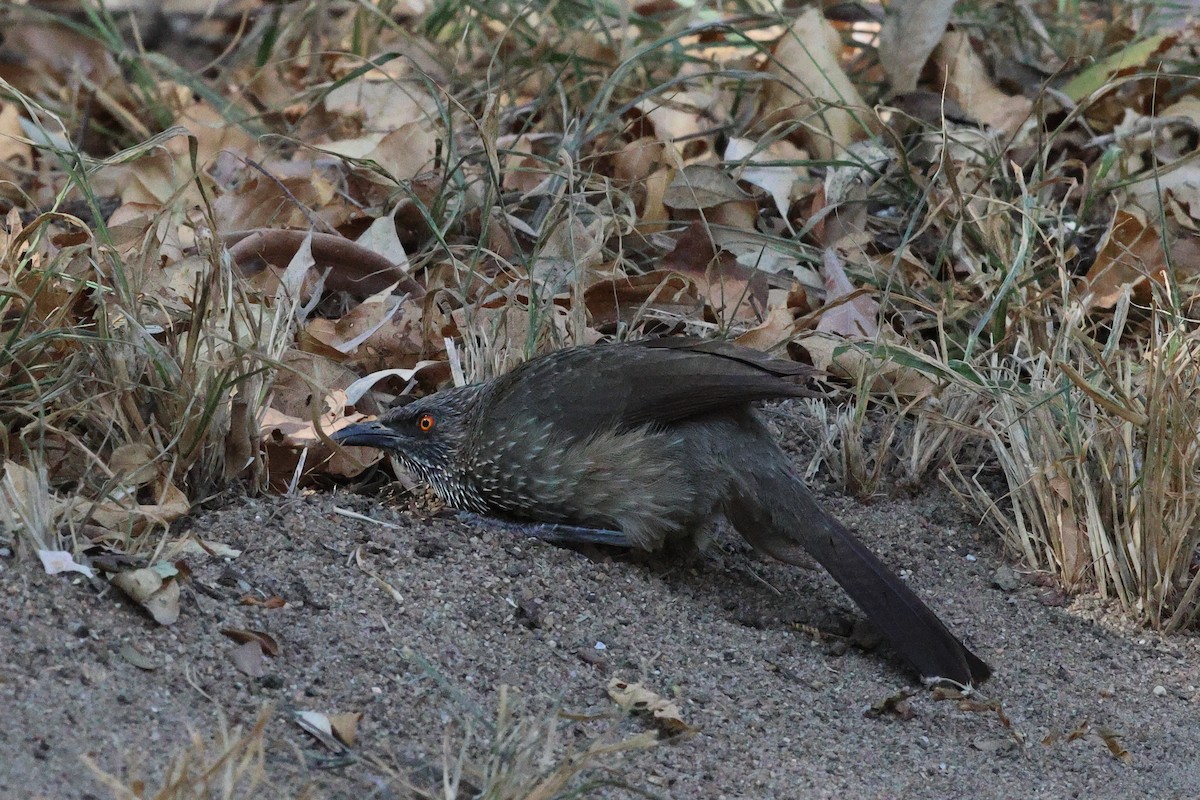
x=626 y=300
x=635 y=698
x=1112 y=740
x=269 y=646
x=909 y=34
x=353 y=267
x=345 y=726
x=896 y=705
x=154 y=588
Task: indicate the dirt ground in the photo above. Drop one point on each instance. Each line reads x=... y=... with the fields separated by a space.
x=468 y=608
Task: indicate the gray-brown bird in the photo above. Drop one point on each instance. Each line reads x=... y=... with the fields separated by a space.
x=645 y=442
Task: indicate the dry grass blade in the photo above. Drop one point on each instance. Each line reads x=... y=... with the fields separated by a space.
x=226 y=766
x=519 y=754
x=526 y=758
x=27 y=509
x=1102 y=466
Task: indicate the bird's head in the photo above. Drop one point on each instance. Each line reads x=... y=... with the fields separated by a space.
x=425 y=435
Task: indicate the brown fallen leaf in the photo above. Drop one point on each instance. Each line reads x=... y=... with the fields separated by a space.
x=1131 y=254
x=979 y=706
x=812 y=88
x=272 y=602
x=269 y=646
x=895 y=705
x=353 y=268
x=1112 y=740
x=345 y=726
x=248 y=659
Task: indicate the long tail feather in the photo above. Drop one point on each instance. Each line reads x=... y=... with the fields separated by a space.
x=778 y=515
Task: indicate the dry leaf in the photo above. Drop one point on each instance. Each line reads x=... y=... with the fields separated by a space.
x=856 y=317
x=896 y=705
x=320 y=728
x=248 y=659
x=776 y=176
x=700 y=186
x=154 y=588
x=1130 y=255
x=56 y=561
x=910 y=32
x=345 y=726
x=265 y=641
x=134 y=463
x=969 y=85
x=634 y=697
x=811 y=87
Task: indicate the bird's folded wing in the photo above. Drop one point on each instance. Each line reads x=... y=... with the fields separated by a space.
x=630 y=385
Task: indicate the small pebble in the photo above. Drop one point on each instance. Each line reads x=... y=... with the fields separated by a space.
x=1006 y=579
x=1160 y=691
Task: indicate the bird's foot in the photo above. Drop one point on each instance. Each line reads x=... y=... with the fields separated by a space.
x=553 y=532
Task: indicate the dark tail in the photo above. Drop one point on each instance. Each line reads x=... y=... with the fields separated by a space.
x=777 y=514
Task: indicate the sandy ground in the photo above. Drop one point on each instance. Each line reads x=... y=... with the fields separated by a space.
x=472 y=608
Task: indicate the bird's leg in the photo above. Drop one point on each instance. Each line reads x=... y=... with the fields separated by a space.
x=552 y=532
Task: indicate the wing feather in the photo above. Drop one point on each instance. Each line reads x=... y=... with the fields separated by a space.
x=653 y=382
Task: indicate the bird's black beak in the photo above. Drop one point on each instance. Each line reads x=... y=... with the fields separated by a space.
x=366 y=434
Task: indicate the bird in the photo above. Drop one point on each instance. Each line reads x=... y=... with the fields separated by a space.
x=646 y=443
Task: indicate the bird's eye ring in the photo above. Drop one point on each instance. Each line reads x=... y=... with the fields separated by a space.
x=425 y=423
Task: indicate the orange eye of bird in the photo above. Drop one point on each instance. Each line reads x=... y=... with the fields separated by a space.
x=425 y=423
